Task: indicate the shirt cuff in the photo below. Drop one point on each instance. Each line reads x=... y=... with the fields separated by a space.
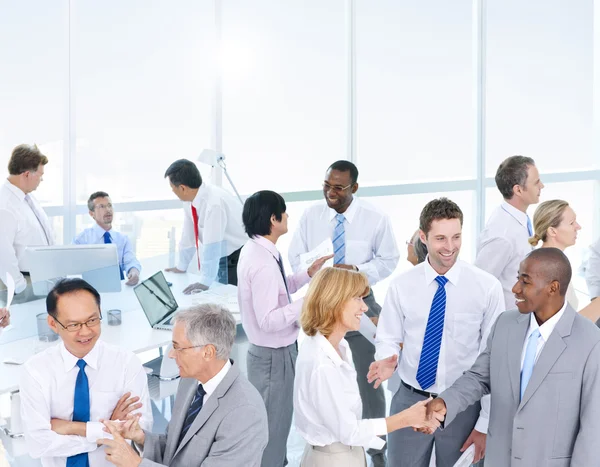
x=482 y=425
x=20 y=285
x=379 y=426
x=95 y=431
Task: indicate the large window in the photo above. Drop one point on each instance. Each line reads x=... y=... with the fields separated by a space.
x=414 y=88
x=284 y=91
x=540 y=98
x=144 y=79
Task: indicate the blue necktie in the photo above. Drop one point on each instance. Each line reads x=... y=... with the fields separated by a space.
x=529 y=227
x=529 y=360
x=339 y=240
x=107 y=239
x=193 y=411
x=81 y=412
x=430 y=353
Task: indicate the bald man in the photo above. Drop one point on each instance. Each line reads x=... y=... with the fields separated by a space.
x=542 y=367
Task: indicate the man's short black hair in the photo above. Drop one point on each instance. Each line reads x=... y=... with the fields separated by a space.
x=258 y=210
x=511 y=172
x=93 y=196
x=555 y=266
x=65 y=287
x=346 y=166
x=184 y=172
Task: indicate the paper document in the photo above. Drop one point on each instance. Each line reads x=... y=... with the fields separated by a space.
x=324 y=249
x=10 y=289
x=367 y=328
x=467 y=458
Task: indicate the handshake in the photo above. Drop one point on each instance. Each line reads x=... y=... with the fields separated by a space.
x=424 y=416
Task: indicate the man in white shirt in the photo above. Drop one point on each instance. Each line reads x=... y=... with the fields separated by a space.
x=363 y=240
x=442 y=311
x=24 y=222
x=504 y=242
x=212 y=227
x=542 y=367
x=219 y=418
x=101 y=210
x=67 y=389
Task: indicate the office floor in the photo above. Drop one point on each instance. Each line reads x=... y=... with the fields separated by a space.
x=16 y=448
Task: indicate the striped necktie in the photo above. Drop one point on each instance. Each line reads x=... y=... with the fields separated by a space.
x=81 y=412
x=339 y=240
x=529 y=227
x=430 y=353
x=193 y=411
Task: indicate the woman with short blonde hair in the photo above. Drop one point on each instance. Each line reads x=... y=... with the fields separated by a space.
x=327 y=404
x=555 y=225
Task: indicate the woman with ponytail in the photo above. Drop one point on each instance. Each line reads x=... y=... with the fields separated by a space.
x=555 y=225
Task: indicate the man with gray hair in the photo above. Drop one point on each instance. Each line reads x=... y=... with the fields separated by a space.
x=504 y=242
x=219 y=418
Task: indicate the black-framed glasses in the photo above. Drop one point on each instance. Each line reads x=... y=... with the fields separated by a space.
x=327 y=186
x=90 y=323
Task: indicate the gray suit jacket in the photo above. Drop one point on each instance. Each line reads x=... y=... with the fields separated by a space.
x=230 y=430
x=558 y=421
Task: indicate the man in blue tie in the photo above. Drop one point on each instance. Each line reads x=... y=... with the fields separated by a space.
x=67 y=389
x=101 y=210
x=542 y=368
x=442 y=311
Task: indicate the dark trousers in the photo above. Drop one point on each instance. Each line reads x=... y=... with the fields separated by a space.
x=228 y=268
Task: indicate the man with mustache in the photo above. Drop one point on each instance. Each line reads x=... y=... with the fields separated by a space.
x=542 y=367
x=101 y=210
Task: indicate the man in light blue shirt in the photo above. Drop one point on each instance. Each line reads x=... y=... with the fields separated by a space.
x=101 y=210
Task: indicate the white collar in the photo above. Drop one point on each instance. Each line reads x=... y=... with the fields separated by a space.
x=326 y=346
x=15 y=190
x=201 y=194
x=100 y=231
x=70 y=360
x=547 y=327
x=211 y=384
x=348 y=214
x=452 y=275
x=520 y=216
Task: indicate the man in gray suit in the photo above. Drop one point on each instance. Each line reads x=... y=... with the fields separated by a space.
x=219 y=418
x=542 y=367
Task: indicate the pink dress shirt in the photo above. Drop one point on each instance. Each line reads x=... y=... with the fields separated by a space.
x=268 y=317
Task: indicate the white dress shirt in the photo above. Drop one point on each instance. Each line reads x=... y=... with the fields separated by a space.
x=474 y=300
x=592 y=271
x=545 y=331
x=370 y=241
x=327 y=405
x=20 y=229
x=502 y=246
x=210 y=386
x=94 y=235
x=47 y=389
x=220 y=230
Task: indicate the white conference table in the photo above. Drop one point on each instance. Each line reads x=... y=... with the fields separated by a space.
x=134 y=334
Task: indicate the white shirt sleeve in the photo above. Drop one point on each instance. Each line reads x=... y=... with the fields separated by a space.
x=8 y=257
x=494 y=256
x=298 y=244
x=390 y=328
x=213 y=243
x=35 y=412
x=386 y=255
x=592 y=273
x=338 y=417
x=495 y=307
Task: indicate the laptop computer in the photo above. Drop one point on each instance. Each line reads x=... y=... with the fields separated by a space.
x=157 y=301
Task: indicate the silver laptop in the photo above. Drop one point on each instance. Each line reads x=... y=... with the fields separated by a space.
x=157 y=301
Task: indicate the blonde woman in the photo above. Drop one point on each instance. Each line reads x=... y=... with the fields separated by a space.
x=327 y=404
x=555 y=225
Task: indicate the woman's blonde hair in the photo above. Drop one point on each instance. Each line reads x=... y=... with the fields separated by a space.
x=328 y=292
x=548 y=214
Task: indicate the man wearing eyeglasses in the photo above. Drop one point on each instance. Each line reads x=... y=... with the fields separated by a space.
x=101 y=210
x=68 y=388
x=363 y=240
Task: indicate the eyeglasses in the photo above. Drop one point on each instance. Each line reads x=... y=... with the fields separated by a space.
x=90 y=323
x=328 y=187
x=176 y=348
x=104 y=206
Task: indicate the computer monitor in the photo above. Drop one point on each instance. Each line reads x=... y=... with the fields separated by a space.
x=96 y=264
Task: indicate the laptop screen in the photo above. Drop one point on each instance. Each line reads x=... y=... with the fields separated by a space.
x=156 y=298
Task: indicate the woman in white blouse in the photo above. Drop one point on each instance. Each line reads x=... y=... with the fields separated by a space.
x=555 y=225
x=327 y=404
